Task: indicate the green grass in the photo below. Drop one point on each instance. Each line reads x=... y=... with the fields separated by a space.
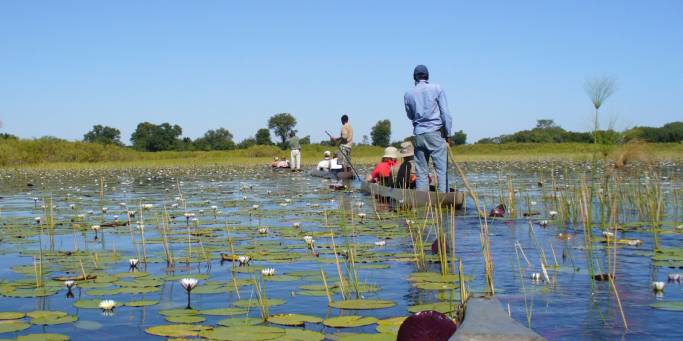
x=64 y=154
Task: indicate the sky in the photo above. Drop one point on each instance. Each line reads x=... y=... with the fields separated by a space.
x=68 y=65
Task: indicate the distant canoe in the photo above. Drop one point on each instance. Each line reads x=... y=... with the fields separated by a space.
x=413 y=198
x=330 y=175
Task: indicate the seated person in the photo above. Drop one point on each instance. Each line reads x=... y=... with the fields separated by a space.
x=385 y=170
x=325 y=164
x=335 y=165
x=277 y=163
x=406 y=176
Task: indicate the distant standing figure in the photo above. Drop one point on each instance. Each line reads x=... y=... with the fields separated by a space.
x=427 y=108
x=345 y=142
x=295 y=154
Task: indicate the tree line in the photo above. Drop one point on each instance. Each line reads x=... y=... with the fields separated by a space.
x=547 y=131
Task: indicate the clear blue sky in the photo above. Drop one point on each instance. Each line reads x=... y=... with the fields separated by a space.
x=67 y=65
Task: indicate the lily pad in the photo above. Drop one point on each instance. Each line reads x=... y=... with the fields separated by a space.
x=185 y=318
x=90 y=304
x=43 y=337
x=13 y=326
x=253 y=303
x=243 y=333
x=224 y=311
x=11 y=315
x=349 y=321
x=442 y=307
x=88 y=325
x=51 y=320
x=142 y=303
x=390 y=325
x=241 y=321
x=46 y=314
x=362 y=304
x=293 y=334
x=366 y=337
x=177 y=330
x=293 y=319
x=668 y=305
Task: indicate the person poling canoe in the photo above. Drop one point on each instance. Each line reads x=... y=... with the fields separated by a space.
x=345 y=142
x=295 y=153
x=427 y=108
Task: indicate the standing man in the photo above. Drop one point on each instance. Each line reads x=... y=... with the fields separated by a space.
x=295 y=154
x=426 y=106
x=345 y=142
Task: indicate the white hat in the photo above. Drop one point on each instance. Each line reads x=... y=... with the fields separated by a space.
x=391 y=152
x=407 y=149
x=277 y=158
x=327 y=153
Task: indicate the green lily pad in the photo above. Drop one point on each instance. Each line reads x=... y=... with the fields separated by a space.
x=178 y=312
x=442 y=307
x=243 y=333
x=11 y=315
x=142 y=303
x=43 y=337
x=87 y=325
x=362 y=304
x=241 y=321
x=13 y=326
x=349 y=321
x=366 y=337
x=293 y=334
x=293 y=319
x=37 y=314
x=390 y=325
x=254 y=303
x=54 y=320
x=224 y=311
x=90 y=304
x=185 y=319
x=177 y=330
x=668 y=305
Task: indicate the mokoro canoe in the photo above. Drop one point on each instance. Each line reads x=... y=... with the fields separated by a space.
x=413 y=198
x=330 y=175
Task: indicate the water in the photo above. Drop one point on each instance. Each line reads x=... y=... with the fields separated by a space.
x=572 y=307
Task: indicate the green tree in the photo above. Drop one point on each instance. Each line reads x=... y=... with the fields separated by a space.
x=546 y=123
x=263 y=137
x=458 y=138
x=104 y=135
x=381 y=133
x=281 y=124
x=246 y=143
x=151 y=137
x=219 y=139
x=305 y=140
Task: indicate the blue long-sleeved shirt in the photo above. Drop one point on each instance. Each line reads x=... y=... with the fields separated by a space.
x=427 y=107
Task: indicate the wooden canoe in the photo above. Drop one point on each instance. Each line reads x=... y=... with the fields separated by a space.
x=413 y=198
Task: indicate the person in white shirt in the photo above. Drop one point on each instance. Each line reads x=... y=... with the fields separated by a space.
x=326 y=163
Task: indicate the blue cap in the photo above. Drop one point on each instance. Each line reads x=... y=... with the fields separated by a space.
x=420 y=72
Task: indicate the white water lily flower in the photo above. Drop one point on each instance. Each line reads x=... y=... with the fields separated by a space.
x=552 y=213
x=95 y=227
x=214 y=207
x=543 y=223
x=243 y=260
x=133 y=262
x=72 y=206
x=255 y=207
x=608 y=234
x=381 y=242
x=536 y=276
x=104 y=210
x=675 y=277
x=263 y=230
x=147 y=206
x=309 y=240
x=268 y=271
x=123 y=204
x=189 y=283
x=107 y=305
x=37 y=219
x=174 y=205
x=658 y=286
x=634 y=242
x=188 y=215
x=69 y=284
x=533 y=203
x=296 y=225
x=288 y=200
x=361 y=215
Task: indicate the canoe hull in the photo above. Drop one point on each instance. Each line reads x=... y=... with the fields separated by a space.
x=413 y=198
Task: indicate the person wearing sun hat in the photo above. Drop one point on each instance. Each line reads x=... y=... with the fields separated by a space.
x=427 y=108
x=406 y=177
x=325 y=164
x=385 y=171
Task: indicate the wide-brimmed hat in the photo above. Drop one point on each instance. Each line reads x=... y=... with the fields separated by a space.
x=407 y=149
x=391 y=152
x=277 y=158
x=327 y=153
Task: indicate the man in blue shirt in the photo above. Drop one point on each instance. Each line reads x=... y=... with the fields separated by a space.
x=426 y=106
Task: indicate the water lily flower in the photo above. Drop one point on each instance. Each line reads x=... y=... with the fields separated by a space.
x=147 y=206
x=95 y=227
x=533 y=203
x=263 y=230
x=309 y=240
x=362 y=217
x=131 y=213
x=536 y=276
x=69 y=284
x=674 y=277
x=381 y=243
x=255 y=206
x=133 y=263
x=552 y=214
x=658 y=286
x=543 y=223
x=244 y=260
x=608 y=234
x=123 y=204
x=72 y=206
x=37 y=219
x=288 y=200
x=107 y=306
x=296 y=225
x=268 y=271
x=634 y=242
x=214 y=207
x=174 y=205
x=104 y=210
